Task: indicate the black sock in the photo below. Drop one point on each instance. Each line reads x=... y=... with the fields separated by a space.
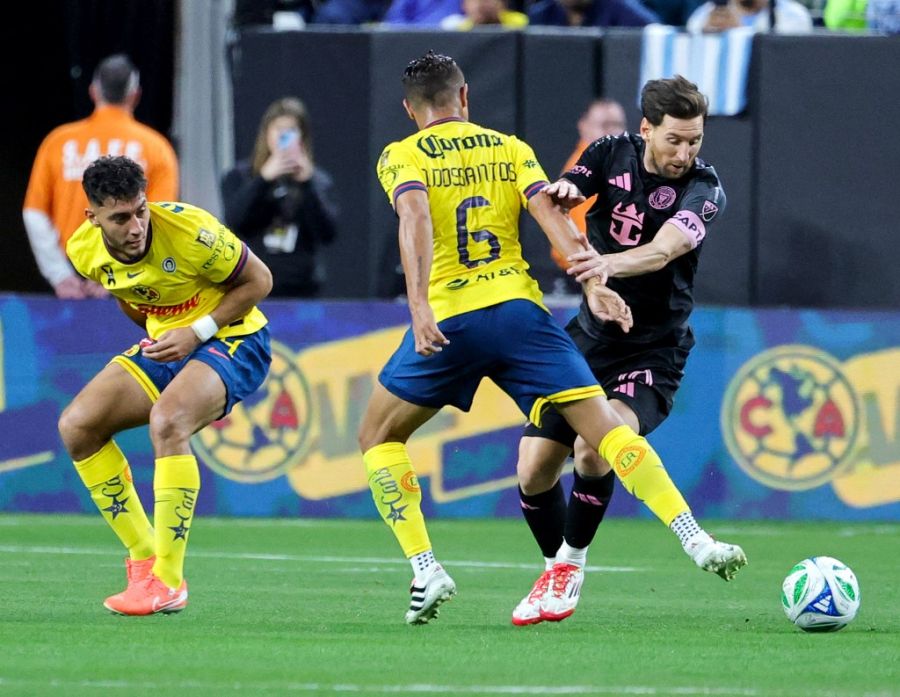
x=587 y=506
x=545 y=514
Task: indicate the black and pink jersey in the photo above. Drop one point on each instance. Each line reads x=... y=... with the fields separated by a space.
x=632 y=205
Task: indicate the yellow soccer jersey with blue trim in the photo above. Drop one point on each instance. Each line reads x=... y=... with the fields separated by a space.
x=477 y=181
x=190 y=259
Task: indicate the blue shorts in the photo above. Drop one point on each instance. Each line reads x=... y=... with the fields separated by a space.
x=242 y=363
x=517 y=344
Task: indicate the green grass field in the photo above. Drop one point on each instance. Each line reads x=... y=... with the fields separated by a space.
x=290 y=607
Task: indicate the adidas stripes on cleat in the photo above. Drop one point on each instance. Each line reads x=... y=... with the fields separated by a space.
x=426 y=599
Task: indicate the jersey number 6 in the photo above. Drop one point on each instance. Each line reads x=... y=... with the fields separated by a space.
x=463 y=232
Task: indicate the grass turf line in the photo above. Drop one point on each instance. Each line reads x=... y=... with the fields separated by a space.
x=268 y=616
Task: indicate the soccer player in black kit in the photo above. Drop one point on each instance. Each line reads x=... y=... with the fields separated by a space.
x=655 y=203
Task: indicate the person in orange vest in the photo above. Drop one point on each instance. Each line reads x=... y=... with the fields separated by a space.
x=603 y=117
x=55 y=202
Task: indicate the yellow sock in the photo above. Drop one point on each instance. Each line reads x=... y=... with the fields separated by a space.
x=175 y=483
x=397 y=495
x=107 y=476
x=642 y=473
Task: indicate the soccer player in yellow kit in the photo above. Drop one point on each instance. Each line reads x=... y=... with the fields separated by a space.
x=457 y=189
x=194 y=287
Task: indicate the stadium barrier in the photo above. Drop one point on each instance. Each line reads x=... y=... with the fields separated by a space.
x=782 y=414
x=806 y=167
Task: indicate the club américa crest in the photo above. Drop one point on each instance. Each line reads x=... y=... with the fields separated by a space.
x=269 y=432
x=790 y=418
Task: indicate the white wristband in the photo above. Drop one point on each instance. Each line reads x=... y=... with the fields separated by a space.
x=205 y=328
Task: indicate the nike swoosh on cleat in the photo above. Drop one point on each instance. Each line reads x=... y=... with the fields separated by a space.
x=158 y=606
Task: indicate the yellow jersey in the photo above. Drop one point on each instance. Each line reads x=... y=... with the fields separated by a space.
x=183 y=274
x=477 y=181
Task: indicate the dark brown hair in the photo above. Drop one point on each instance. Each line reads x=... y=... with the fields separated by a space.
x=118 y=178
x=432 y=79
x=675 y=96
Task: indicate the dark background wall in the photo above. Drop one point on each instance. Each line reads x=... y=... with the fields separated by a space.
x=809 y=168
x=828 y=151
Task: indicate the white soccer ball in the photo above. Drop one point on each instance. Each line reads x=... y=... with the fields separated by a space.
x=820 y=594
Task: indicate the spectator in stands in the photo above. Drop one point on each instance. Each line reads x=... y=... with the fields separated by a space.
x=847 y=15
x=280 y=202
x=603 y=117
x=422 y=12
x=884 y=16
x=350 y=11
x=249 y=13
x=784 y=16
x=479 y=13
x=591 y=13
x=55 y=201
x=675 y=13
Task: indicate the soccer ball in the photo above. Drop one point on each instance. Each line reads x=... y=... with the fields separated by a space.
x=820 y=594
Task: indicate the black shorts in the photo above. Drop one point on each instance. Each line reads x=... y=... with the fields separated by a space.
x=644 y=376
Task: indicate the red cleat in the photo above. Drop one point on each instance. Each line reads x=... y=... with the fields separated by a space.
x=565 y=590
x=528 y=611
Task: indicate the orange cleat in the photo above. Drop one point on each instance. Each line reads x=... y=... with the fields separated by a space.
x=149 y=597
x=136 y=570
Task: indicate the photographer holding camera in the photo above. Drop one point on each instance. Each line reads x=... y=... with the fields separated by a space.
x=280 y=202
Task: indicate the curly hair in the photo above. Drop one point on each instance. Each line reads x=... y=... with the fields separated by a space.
x=113 y=177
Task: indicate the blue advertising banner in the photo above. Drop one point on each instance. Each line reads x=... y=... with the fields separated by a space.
x=782 y=414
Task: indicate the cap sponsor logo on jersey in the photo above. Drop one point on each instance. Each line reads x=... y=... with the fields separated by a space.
x=709 y=210
x=206 y=238
x=662 y=198
x=168 y=265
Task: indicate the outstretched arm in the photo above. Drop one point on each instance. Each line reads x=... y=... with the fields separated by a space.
x=416 y=250
x=669 y=244
x=550 y=214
